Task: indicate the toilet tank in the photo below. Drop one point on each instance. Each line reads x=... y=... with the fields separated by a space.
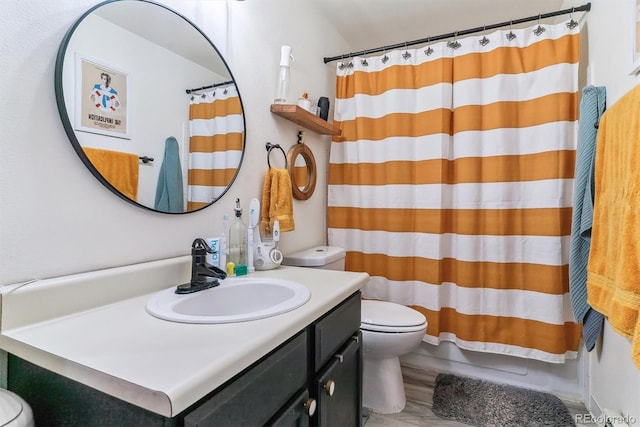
x=325 y=257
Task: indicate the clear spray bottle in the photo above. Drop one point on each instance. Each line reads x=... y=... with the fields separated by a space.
x=284 y=76
x=237 y=239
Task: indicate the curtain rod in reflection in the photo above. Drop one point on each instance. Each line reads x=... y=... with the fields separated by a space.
x=584 y=8
x=210 y=86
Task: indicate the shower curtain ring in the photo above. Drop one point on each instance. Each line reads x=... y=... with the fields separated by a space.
x=385 y=58
x=454 y=44
x=538 y=31
x=350 y=63
x=511 y=35
x=572 y=24
x=341 y=65
x=428 y=51
x=364 y=61
x=484 y=40
x=406 y=55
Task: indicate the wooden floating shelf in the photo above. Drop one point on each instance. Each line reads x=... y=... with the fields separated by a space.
x=304 y=118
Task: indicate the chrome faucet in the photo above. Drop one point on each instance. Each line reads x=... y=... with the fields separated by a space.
x=203 y=274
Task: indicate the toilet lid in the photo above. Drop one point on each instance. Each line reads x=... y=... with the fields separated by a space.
x=386 y=316
x=10 y=407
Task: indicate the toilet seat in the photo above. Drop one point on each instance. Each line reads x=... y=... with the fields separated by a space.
x=12 y=409
x=383 y=316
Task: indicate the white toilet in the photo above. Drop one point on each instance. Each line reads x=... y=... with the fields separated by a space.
x=389 y=331
x=14 y=411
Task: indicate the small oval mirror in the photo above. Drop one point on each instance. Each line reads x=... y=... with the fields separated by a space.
x=302 y=170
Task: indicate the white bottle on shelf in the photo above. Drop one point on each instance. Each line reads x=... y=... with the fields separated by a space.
x=284 y=76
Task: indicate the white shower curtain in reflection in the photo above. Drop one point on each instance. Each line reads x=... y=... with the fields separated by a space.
x=451 y=185
x=215 y=145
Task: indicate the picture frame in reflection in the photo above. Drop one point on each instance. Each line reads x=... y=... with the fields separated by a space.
x=102 y=99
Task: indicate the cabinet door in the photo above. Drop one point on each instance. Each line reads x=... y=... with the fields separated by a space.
x=338 y=388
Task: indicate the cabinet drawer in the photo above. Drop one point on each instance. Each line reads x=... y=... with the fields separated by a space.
x=335 y=328
x=253 y=398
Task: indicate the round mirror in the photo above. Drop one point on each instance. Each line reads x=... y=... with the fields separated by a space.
x=150 y=106
x=302 y=171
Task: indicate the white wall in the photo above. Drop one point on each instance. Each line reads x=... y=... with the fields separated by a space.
x=614 y=380
x=57 y=219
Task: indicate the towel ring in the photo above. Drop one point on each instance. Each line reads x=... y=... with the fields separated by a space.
x=269 y=146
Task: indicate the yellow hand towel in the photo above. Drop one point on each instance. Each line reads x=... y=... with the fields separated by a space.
x=613 y=270
x=277 y=201
x=118 y=168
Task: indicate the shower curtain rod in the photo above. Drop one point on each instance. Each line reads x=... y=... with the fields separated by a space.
x=584 y=8
x=209 y=87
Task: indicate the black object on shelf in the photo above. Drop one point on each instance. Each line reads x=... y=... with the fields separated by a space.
x=323 y=103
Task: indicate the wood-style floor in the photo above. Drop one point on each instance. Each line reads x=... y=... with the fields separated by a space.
x=419 y=385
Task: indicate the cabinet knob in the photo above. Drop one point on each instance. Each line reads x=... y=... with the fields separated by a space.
x=330 y=387
x=310 y=407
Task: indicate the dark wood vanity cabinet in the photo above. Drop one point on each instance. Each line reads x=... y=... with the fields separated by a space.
x=313 y=379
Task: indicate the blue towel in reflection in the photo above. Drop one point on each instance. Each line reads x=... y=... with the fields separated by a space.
x=592 y=107
x=169 y=193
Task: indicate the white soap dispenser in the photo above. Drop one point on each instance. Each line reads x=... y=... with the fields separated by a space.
x=284 y=76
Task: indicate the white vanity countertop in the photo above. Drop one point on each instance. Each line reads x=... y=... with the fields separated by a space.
x=93 y=328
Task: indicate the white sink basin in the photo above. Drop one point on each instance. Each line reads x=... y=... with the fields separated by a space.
x=234 y=300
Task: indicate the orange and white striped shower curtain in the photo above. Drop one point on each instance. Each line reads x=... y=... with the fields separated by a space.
x=215 y=145
x=452 y=186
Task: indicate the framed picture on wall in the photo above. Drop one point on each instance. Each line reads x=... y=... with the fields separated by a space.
x=102 y=99
x=635 y=31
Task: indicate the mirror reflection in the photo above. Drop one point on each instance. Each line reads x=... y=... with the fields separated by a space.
x=150 y=106
x=300 y=175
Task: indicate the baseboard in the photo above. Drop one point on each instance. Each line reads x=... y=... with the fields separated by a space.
x=607 y=417
x=594 y=407
x=558 y=379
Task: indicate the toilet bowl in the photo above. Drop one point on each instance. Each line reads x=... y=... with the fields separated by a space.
x=389 y=331
x=14 y=411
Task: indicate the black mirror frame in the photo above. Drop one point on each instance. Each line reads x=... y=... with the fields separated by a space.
x=68 y=127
